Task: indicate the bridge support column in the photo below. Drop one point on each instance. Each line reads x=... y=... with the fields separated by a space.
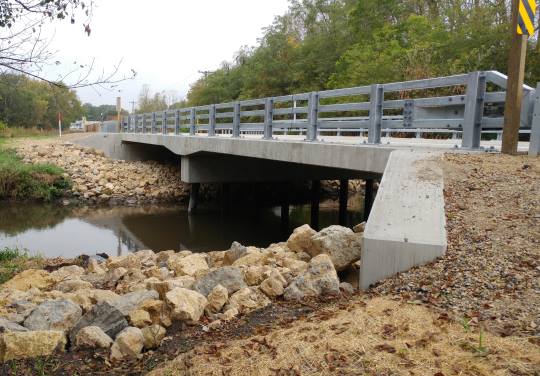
x=193 y=197
x=225 y=197
x=315 y=200
x=285 y=204
x=368 y=198
x=343 y=198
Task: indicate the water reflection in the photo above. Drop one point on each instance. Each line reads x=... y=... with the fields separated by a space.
x=57 y=231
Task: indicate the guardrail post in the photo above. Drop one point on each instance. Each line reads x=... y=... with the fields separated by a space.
x=236 y=120
x=268 y=118
x=474 y=110
x=164 y=122
x=212 y=121
x=534 y=143
x=153 y=125
x=177 y=122
x=375 y=114
x=313 y=114
x=192 y=122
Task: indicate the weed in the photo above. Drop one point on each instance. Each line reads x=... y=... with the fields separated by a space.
x=466 y=324
x=14 y=261
x=21 y=181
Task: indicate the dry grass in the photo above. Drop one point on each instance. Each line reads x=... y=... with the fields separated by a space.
x=375 y=337
x=491 y=270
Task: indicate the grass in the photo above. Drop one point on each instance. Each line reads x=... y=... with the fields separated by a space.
x=14 y=261
x=376 y=336
x=21 y=181
x=17 y=132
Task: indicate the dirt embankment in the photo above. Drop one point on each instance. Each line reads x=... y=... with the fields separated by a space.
x=491 y=270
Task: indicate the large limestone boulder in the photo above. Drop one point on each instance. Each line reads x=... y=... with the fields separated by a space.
x=31 y=278
x=22 y=309
x=129 y=261
x=186 y=305
x=95 y=267
x=147 y=257
x=140 y=318
x=216 y=300
x=340 y=243
x=70 y=285
x=9 y=326
x=31 y=344
x=128 y=344
x=255 y=257
x=300 y=239
x=163 y=256
x=274 y=285
x=254 y=275
x=54 y=315
x=131 y=301
x=229 y=277
x=161 y=273
x=92 y=337
x=359 y=227
x=215 y=258
x=190 y=265
x=104 y=316
x=246 y=300
x=158 y=311
x=67 y=272
x=163 y=287
x=153 y=335
x=236 y=251
x=320 y=279
x=295 y=266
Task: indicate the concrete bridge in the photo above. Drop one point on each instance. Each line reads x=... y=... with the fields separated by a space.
x=341 y=134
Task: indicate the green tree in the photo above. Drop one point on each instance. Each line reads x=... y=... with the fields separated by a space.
x=26 y=102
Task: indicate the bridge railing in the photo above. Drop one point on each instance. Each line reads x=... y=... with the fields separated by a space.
x=467 y=104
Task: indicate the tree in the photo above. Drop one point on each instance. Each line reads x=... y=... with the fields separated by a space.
x=102 y=112
x=322 y=44
x=151 y=103
x=26 y=102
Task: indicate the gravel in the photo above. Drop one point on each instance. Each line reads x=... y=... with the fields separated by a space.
x=490 y=274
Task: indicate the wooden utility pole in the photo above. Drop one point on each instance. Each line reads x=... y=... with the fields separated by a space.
x=514 y=89
x=118 y=112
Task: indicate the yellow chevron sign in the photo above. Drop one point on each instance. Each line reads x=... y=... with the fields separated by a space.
x=527 y=10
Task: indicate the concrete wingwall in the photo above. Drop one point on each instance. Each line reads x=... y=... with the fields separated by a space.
x=407 y=224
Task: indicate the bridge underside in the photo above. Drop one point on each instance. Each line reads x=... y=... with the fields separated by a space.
x=407 y=223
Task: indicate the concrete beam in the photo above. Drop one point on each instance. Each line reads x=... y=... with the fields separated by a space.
x=218 y=168
x=365 y=158
x=407 y=222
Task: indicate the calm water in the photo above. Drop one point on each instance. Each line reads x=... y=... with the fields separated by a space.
x=68 y=232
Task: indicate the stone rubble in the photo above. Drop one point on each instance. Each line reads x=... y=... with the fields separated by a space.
x=98 y=179
x=125 y=303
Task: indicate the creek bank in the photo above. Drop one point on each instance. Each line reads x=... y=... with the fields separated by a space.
x=98 y=179
x=128 y=302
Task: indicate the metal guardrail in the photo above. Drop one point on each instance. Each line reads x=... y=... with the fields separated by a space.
x=478 y=107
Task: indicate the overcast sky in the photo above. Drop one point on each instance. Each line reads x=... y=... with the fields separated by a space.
x=165 y=41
